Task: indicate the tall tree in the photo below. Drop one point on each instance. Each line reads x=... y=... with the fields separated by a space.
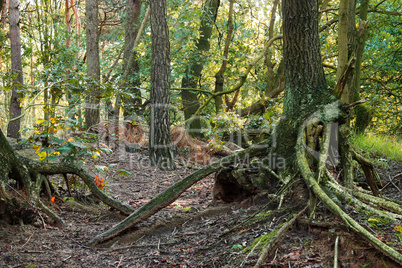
x=160 y=146
x=363 y=112
x=133 y=102
x=196 y=63
x=92 y=115
x=16 y=66
x=305 y=85
x=219 y=76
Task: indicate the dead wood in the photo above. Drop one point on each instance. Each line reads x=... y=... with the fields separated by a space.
x=172 y=193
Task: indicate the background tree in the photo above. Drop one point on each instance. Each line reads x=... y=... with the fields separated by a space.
x=16 y=67
x=132 y=101
x=160 y=146
x=196 y=64
x=92 y=109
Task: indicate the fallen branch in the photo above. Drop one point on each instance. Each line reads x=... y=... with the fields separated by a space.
x=172 y=193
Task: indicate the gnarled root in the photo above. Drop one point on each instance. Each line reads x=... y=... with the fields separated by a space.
x=315 y=187
x=30 y=175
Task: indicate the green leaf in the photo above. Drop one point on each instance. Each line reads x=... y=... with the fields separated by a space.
x=64 y=149
x=237 y=246
x=52 y=158
x=58 y=140
x=123 y=172
x=47 y=150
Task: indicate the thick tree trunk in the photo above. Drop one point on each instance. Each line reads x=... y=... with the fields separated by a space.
x=93 y=68
x=196 y=64
x=133 y=103
x=16 y=66
x=305 y=85
x=160 y=146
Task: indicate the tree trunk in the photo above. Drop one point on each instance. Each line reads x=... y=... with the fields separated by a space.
x=347 y=49
x=196 y=64
x=16 y=66
x=160 y=146
x=132 y=104
x=305 y=85
x=93 y=68
x=219 y=76
x=363 y=113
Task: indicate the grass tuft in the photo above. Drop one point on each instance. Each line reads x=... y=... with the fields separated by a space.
x=379 y=145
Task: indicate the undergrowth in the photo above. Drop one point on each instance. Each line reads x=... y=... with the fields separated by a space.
x=379 y=145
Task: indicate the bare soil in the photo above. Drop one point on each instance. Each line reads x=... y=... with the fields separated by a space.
x=189 y=233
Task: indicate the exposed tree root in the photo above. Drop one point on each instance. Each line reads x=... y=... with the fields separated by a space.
x=372 y=177
x=172 y=193
x=30 y=176
x=344 y=194
x=67 y=168
x=277 y=236
x=385 y=203
x=315 y=187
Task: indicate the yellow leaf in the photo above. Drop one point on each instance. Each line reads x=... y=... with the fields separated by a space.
x=40 y=121
x=373 y=220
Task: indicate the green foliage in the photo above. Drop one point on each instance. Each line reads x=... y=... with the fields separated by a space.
x=51 y=66
x=382 y=71
x=49 y=147
x=380 y=146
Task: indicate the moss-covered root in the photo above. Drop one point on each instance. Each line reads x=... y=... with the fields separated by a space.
x=172 y=193
x=344 y=194
x=66 y=168
x=372 y=177
x=311 y=182
x=380 y=202
x=277 y=236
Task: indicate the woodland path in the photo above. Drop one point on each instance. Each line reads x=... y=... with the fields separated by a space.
x=185 y=234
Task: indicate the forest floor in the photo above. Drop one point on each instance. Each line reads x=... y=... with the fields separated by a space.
x=188 y=233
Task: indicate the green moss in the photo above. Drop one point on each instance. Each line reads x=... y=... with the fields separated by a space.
x=263 y=240
x=374 y=219
x=262 y=215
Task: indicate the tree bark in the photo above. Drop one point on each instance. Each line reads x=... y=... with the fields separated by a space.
x=196 y=64
x=160 y=146
x=363 y=113
x=305 y=85
x=347 y=50
x=92 y=114
x=16 y=67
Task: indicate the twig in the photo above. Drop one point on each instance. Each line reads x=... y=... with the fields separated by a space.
x=142 y=246
x=27 y=241
x=391 y=182
x=121 y=259
x=336 y=252
x=250 y=253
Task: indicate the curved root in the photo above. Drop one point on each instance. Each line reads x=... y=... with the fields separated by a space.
x=314 y=186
